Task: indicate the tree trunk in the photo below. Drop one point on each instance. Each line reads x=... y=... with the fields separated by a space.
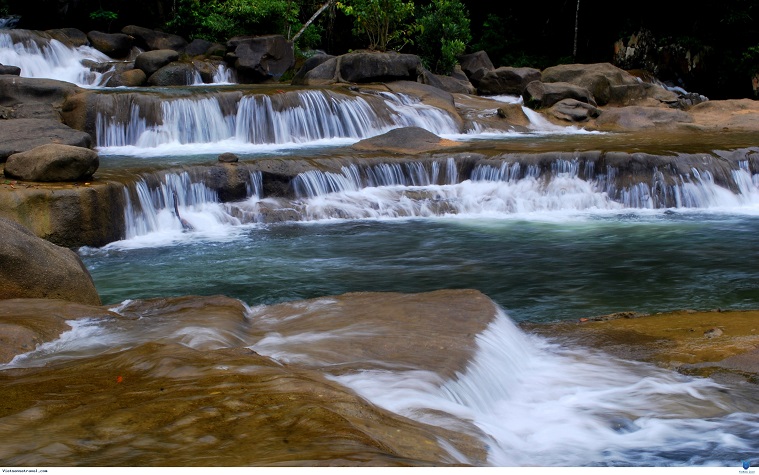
x=577 y=27
x=311 y=20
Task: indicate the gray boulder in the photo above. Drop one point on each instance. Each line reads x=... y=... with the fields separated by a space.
x=53 y=163
x=69 y=36
x=473 y=62
x=538 y=95
x=20 y=135
x=115 y=45
x=33 y=98
x=379 y=67
x=10 y=70
x=310 y=64
x=448 y=83
x=149 y=40
x=504 y=80
x=152 y=61
x=173 y=74
x=197 y=47
x=31 y=267
x=260 y=58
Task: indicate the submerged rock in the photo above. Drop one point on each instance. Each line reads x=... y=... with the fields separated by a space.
x=31 y=267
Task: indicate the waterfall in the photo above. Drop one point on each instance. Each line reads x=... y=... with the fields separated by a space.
x=40 y=57
x=285 y=118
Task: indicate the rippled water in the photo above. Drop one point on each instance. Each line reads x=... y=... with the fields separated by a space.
x=546 y=267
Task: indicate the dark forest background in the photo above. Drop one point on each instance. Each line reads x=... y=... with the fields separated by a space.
x=712 y=49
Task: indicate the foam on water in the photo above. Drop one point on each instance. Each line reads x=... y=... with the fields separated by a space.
x=542 y=404
x=52 y=60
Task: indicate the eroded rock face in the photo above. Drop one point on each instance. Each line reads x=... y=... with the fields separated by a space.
x=33 y=98
x=148 y=39
x=638 y=118
x=53 y=163
x=20 y=135
x=187 y=373
x=260 y=58
x=31 y=267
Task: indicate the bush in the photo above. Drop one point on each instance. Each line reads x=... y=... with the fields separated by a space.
x=445 y=33
x=385 y=22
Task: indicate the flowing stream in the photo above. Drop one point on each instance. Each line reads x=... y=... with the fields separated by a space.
x=545 y=243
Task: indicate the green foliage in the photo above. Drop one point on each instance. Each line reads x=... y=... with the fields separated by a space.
x=103 y=19
x=386 y=23
x=445 y=33
x=219 y=20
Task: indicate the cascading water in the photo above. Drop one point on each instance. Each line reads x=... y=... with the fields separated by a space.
x=518 y=390
x=40 y=57
x=286 y=118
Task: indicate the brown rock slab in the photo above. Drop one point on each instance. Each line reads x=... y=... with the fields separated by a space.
x=405 y=140
x=53 y=163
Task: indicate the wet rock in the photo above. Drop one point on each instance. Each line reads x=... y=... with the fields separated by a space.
x=27 y=323
x=428 y=95
x=173 y=74
x=20 y=135
x=10 y=70
x=152 y=61
x=53 y=163
x=260 y=58
x=405 y=140
x=228 y=158
x=31 y=267
x=597 y=78
x=148 y=39
x=115 y=45
x=69 y=36
x=129 y=78
x=735 y=115
x=538 y=95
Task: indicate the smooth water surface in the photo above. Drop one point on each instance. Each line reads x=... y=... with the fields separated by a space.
x=544 y=268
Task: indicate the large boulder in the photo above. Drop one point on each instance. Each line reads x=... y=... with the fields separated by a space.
x=310 y=64
x=597 y=78
x=260 y=58
x=451 y=84
x=149 y=40
x=10 y=70
x=31 y=267
x=69 y=36
x=34 y=98
x=152 y=61
x=128 y=78
x=366 y=67
x=538 y=95
x=115 y=45
x=20 y=135
x=197 y=47
x=173 y=74
x=473 y=62
x=504 y=80
x=640 y=118
x=53 y=163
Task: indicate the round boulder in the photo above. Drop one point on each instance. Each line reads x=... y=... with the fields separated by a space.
x=115 y=45
x=538 y=94
x=228 y=157
x=173 y=74
x=505 y=80
x=260 y=58
x=31 y=267
x=149 y=39
x=152 y=61
x=52 y=163
x=11 y=70
x=129 y=78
